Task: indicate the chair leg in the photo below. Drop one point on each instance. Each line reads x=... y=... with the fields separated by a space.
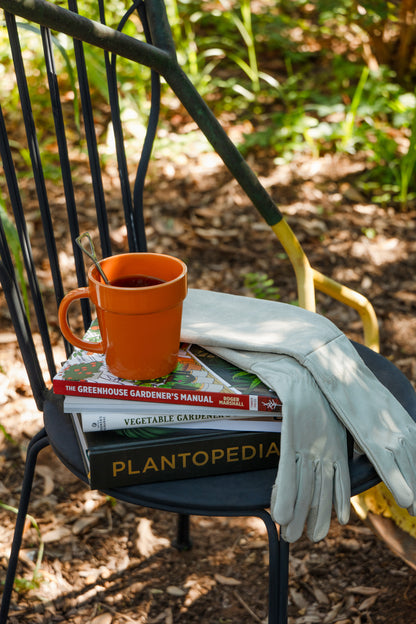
x=183 y=540
x=38 y=442
x=284 y=580
x=278 y=572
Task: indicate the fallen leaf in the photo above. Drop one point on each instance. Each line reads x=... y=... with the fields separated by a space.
x=298 y=599
x=333 y=613
x=258 y=544
x=103 y=618
x=47 y=474
x=367 y=603
x=226 y=580
x=172 y=590
x=82 y=524
x=320 y=596
x=56 y=535
x=147 y=542
x=363 y=590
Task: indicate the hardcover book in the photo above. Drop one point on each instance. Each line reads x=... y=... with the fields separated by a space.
x=132 y=408
x=148 y=455
x=98 y=421
x=199 y=379
x=99 y=416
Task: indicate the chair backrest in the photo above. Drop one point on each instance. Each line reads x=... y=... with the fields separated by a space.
x=57 y=96
x=53 y=167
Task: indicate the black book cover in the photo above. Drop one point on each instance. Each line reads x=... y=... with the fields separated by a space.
x=147 y=455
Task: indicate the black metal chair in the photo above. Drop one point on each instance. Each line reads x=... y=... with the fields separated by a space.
x=245 y=494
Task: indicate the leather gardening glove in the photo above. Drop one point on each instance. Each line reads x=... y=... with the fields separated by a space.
x=376 y=420
x=313 y=467
x=378 y=423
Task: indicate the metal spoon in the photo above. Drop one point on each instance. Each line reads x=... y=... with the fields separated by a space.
x=91 y=254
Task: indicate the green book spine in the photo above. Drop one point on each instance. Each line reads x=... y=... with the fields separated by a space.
x=116 y=459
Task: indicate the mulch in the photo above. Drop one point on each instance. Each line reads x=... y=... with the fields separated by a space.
x=107 y=562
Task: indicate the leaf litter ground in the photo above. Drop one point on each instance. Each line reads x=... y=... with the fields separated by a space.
x=108 y=562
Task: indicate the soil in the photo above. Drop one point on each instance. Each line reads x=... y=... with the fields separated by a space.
x=108 y=562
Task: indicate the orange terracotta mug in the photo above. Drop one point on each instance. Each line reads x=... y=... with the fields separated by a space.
x=139 y=313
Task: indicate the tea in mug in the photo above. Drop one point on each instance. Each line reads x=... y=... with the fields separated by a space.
x=136 y=281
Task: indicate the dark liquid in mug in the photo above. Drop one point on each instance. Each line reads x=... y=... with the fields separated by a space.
x=136 y=281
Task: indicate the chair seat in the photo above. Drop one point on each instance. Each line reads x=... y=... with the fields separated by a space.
x=225 y=494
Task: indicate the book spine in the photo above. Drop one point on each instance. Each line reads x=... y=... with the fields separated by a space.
x=183 y=460
x=179 y=397
x=101 y=421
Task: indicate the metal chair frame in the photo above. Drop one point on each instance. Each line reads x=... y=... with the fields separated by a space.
x=157 y=53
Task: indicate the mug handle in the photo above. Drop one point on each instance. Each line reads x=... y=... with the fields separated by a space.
x=78 y=293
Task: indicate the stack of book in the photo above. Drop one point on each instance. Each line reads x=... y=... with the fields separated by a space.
x=207 y=417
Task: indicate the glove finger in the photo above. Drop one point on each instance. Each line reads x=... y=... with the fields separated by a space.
x=319 y=517
x=305 y=488
x=284 y=490
x=406 y=464
x=412 y=509
x=391 y=475
x=399 y=487
x=342 y=492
